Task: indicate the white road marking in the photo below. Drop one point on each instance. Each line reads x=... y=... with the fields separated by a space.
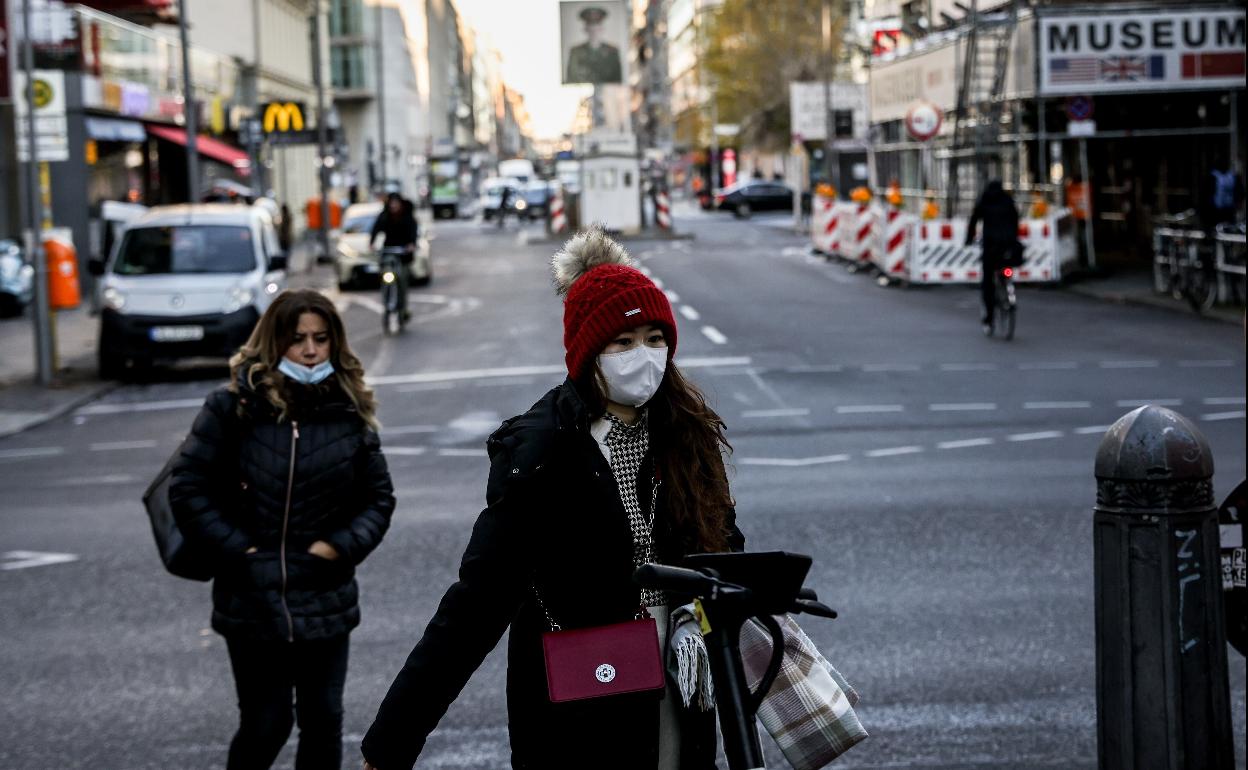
x=90 y=481
x=815 y=369
x=1130 y=364
x=1223 y=416
x=799 y=462
x=28 y=559
x=968 y=367
x=533 y=371
x=31 y=452
x=1049 y=365
x=964 y=443
x=714 y=335
x=421 y=387
x=1058 y=405
x=672 y=296
x=141 y=406
x=1088 y=430
x=1226 y=401
x=505 y=382
x=690 y=313
x=407 y=430
x=890 y=367
x=109 y=446
x=451 y=452
x=404 y=451
x=894 y=451
x=1211 y=363
x=1131 y=403
x=964 y=407
x=1037 y=436
x=870 y=409
x=761 y=413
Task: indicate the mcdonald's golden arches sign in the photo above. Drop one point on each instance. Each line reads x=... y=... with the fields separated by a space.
x=280 y=117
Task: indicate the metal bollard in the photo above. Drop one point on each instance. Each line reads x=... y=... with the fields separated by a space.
x=1162 y=690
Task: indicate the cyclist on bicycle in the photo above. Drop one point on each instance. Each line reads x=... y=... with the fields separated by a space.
x=996 y=210
x=397 y=222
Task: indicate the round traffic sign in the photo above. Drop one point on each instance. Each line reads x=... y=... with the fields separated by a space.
x=1079 y=108
x=923 y=120
x=43 y=93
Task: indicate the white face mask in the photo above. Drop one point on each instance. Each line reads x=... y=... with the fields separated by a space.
x=307 y=375
x=633 y=376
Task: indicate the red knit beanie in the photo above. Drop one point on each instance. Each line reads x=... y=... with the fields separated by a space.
x=603 y=296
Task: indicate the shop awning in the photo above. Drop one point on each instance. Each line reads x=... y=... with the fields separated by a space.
x=208 y=147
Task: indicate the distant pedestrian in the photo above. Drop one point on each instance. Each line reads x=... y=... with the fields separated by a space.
x=286 y=228
x=283 y=481
x=1079 y=200
x=996 y=210
x=1223 y=196
x=619 y=466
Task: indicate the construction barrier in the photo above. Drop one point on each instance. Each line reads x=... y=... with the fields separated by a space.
x=558 y=219
x=823 y=224
x=941 y=256
x=663 y=210
x=892 y=255
x=863 y=244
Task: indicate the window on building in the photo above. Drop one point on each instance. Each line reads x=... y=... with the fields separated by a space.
x=842 y=123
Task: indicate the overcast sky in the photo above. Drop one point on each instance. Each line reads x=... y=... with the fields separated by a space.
x=527 y=35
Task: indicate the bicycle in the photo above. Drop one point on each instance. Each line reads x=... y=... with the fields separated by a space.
x=1005 y=305
x=394 y=314
x=733 y=588
x=1184 y=263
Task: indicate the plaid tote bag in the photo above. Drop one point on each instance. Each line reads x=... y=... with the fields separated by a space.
x=810 y=709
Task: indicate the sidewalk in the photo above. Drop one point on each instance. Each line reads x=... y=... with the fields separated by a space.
x=1135 y=287
x=23 y=403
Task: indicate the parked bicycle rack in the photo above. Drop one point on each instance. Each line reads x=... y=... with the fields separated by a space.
x=1230 y=263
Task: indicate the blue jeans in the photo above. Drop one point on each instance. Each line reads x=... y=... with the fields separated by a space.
x=279 y=683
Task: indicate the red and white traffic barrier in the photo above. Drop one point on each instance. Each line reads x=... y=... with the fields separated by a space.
x=862 y=247
x=822 y=224
x=941 y=256
x=663 y=210
x=892 y=254
x=558 y=220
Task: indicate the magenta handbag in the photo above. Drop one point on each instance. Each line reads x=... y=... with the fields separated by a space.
x=603 y=660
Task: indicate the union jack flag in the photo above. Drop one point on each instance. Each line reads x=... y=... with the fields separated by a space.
x=1116 y=69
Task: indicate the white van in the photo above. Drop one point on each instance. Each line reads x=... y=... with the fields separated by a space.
x=186 y=281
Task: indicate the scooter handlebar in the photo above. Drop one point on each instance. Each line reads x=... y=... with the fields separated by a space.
x=676 y=579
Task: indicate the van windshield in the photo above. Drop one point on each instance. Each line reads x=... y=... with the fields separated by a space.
x=186 y=249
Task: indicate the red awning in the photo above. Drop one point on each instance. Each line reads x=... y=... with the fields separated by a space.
x=208 y=147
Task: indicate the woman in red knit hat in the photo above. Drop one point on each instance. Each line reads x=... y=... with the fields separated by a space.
x=620 y=465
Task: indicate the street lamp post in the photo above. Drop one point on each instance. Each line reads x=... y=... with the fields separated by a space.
x=322 y=134
x=189 y=112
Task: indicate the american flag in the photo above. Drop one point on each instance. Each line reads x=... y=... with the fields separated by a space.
x=1074 y=69
x=1116 y=69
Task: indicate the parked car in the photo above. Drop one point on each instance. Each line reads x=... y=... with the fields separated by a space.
x=16 y=280
x=357 y=264
x=744 y=198
x=183 y=281
x=537 y=195
x=492 y=195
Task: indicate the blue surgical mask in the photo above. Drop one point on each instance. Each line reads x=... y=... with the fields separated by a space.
x=307 y=375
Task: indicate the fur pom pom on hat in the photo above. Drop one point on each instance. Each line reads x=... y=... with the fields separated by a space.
x=603 y=296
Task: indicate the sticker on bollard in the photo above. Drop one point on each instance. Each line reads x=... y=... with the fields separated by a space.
x=1232 y=519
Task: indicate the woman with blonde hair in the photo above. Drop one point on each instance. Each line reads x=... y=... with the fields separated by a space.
x=619 y=466
x=283 y=482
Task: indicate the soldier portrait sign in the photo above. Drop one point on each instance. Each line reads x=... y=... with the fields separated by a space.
x=594 y=38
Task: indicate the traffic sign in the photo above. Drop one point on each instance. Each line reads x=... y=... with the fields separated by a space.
x=51 y=125
x=923 y=121
x=1079 y=108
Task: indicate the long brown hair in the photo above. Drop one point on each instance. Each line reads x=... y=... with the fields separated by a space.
x=273 y=336
x=690 y=449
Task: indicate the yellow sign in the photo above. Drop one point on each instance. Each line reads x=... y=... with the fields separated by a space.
x=216 y=116
x=283 y=116
x=91 y=152
x=43 y=93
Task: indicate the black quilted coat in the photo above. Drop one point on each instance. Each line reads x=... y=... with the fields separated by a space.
x=246 y=479
x=554 y=519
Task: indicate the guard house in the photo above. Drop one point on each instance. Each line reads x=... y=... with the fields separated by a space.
x=1143 y=99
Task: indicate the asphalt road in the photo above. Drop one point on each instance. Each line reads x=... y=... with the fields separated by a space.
x=942 y=481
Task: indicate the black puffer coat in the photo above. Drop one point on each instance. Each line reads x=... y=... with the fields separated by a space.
x=246 y=479
x=554 y=519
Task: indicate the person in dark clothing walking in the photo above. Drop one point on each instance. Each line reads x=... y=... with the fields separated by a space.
x=995 y=209
x=619 y=466
x=397 y=223
x=283 y=482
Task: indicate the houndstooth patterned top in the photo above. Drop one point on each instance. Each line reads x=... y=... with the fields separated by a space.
x=629 y=445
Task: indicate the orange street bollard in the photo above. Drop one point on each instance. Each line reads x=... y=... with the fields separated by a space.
x=62 y=260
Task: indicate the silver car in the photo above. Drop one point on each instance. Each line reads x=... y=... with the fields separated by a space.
x=16 y=280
